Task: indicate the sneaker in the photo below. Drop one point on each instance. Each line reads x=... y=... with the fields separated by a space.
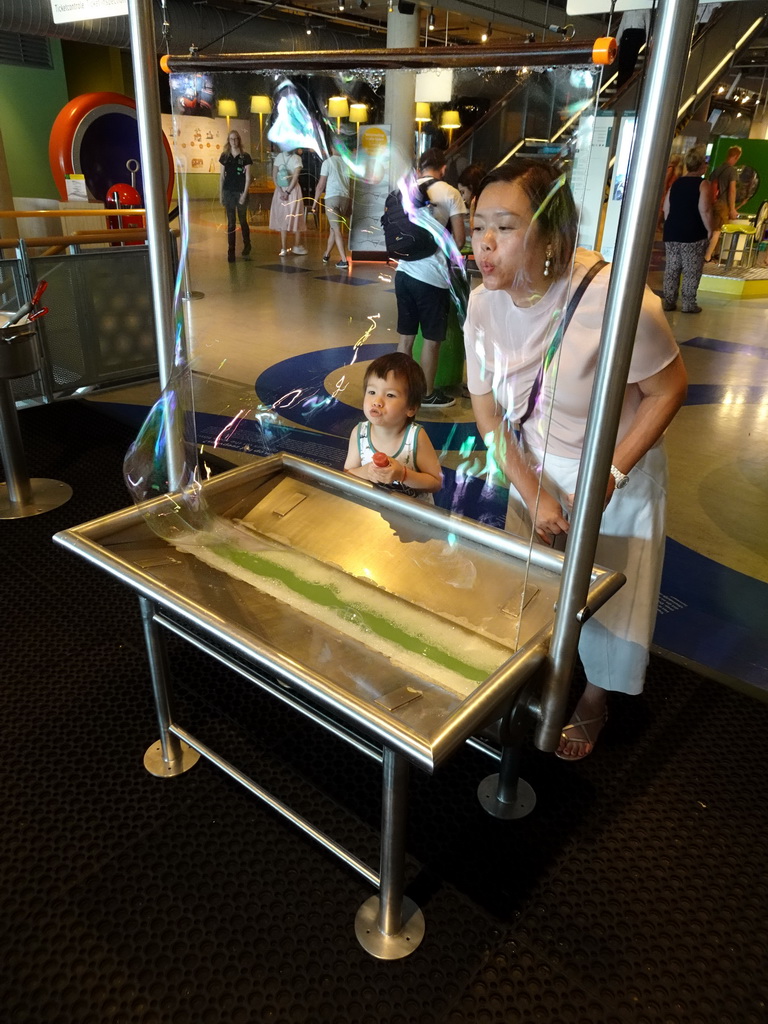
x=691 y=309
x=668 y=307
x=342 y=265
x=285 y=252
x=326 y=259
x=247 y=249
x=437 y=400
x=299 y=250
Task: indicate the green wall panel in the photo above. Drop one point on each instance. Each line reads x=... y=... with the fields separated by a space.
x=754 y=153
x=31 y=100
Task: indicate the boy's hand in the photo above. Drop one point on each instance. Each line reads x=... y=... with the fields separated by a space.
x=389 y=473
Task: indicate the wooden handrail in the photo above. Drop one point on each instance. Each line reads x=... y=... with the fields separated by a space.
x=66 y=212
x=60 y=242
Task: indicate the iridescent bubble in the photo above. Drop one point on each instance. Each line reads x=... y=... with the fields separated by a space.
x=293 y=126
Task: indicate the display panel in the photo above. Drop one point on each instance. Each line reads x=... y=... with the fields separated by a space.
x=286 y=372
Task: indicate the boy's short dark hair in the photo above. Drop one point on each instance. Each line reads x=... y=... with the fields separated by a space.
x=434 y=158
x=406 y=369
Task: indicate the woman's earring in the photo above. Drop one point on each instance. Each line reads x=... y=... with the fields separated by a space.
x=547 y=260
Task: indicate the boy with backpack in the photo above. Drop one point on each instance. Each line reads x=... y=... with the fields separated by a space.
x=422 y=279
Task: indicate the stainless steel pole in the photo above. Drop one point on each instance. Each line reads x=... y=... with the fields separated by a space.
x=393 y=815
x=655 y=129
x=12 y=449
x=390 y=926
x=158 y=667
x=153 y=173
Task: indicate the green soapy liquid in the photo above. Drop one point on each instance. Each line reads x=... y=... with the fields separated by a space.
x=325 y=595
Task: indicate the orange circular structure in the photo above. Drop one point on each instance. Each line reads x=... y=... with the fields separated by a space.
x=604 y=50
x=90 y=112
x=164 y=63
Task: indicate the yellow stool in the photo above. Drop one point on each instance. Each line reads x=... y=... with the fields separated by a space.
x=737 y=233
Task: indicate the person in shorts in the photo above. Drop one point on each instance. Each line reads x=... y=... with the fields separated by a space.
x=422 y=287
x=725 y=177
x=334 y=182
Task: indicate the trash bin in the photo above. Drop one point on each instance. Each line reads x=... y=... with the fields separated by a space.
x=19 y=351
x=450 y=366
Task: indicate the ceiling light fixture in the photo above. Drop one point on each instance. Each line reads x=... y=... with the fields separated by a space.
x=308 y=27
x=390 y=6
x=341 y=5
x=488 y=33
x=431 y=21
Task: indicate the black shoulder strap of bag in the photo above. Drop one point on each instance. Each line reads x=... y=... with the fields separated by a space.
x=576 y=298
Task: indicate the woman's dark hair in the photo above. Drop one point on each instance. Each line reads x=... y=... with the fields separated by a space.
x=404 y=368
x=551 y=200
x=471 y=178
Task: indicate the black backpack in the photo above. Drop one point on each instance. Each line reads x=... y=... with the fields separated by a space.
x=404 y=239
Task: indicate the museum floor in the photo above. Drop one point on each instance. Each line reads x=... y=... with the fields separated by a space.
x=635 y=892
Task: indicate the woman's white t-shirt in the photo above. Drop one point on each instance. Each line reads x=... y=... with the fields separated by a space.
x=337 y=179
x=505 y=346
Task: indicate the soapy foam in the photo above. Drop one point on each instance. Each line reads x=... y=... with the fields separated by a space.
x=453 y=658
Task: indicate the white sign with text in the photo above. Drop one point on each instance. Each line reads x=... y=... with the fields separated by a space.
x=86 y=10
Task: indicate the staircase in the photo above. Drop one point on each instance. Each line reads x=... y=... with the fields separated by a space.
x=539 y=115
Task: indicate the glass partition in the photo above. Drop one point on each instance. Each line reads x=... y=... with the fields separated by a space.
x=276 y=334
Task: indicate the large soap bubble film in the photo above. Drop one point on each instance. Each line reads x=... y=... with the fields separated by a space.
x=319 y=401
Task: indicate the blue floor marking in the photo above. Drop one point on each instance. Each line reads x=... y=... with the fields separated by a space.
x=319 y=412
x=719 y=394
x=343 y=278
x=280 y=268
x=730 y=347
x=713 y=615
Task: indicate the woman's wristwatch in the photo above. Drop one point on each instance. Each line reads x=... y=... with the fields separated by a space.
x=620 y=478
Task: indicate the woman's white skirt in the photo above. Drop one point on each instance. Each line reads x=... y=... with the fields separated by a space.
x=614 y=642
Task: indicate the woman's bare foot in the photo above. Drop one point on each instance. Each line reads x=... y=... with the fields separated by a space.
x=578 y=738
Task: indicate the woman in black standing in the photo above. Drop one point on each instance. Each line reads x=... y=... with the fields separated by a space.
x=234 y=181
x=688 y=224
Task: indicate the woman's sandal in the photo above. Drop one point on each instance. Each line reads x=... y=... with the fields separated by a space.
x=583 y=724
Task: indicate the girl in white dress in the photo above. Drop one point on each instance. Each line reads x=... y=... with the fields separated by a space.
x=287 y=213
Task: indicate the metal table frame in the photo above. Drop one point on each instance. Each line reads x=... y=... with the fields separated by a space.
x=388 y=925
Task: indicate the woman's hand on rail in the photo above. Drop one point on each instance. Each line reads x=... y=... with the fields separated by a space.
x=547 y=517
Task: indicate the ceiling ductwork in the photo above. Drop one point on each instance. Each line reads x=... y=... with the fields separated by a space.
x=190 y=25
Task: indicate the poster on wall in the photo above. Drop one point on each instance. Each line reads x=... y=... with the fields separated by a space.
x=590 y=170
x=198 y=141
x=370 y=189
x=624 y=144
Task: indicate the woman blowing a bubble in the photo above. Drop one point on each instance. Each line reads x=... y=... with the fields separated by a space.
x=389 y=448
x=530 y=390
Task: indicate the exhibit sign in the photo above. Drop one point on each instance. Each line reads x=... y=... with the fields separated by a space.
x=86 y=10
x=371 y=186
x=590 y=170
x=618 y=185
